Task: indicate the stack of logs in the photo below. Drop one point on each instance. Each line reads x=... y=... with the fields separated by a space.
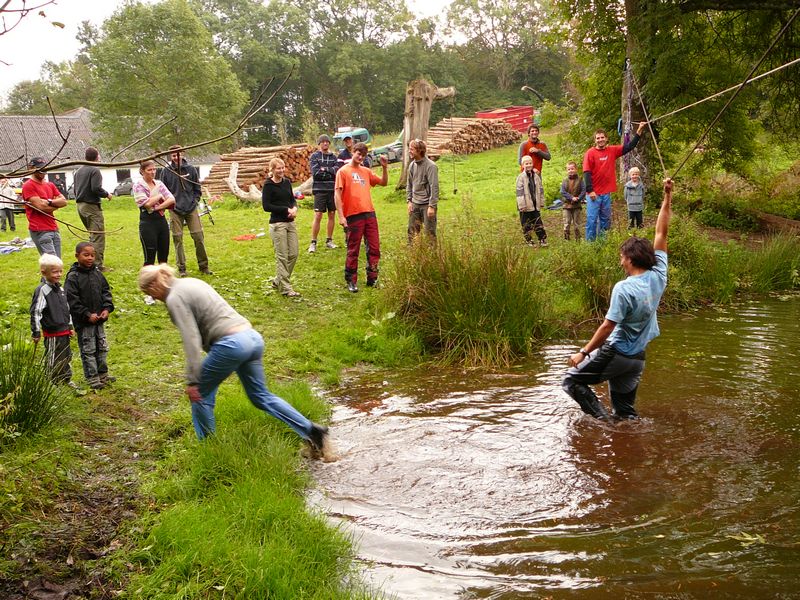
x=253 y=164
x=464 y=135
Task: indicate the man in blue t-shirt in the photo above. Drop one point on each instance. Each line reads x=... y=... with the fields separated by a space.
x=616 y=351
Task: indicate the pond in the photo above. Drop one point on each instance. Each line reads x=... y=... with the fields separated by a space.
x=467 y=484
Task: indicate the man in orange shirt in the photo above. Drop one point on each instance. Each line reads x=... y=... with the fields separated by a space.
x=357 y=214
x=533 y=147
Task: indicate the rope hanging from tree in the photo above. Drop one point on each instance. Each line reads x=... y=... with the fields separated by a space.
x=738 y=89
x=629 y=160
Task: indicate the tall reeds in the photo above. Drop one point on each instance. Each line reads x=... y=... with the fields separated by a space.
x=479 y=298
x=28 y=399
x=484 y=298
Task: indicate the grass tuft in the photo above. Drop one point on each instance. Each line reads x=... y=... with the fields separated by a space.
x=29 y=401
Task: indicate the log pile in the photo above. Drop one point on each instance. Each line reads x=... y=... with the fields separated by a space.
x=253 y=163
x=464 y=135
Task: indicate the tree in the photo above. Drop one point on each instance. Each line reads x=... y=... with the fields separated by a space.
x=262 y=41
x=681 y=52
x=504 y=38
x=67 y=84
x=158 y=61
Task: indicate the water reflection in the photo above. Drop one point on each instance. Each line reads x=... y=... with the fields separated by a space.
x=473 y=485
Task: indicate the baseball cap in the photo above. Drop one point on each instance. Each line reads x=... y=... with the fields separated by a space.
x=37 y=162
x=323 y=138
x=347 y=137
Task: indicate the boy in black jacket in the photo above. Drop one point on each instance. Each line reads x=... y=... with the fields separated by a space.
x=90 y=304
x=50 y=318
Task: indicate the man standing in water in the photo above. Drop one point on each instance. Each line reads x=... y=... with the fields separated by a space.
x=616 y=351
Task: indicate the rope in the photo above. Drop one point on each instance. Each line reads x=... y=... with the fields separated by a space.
x=649 y=124
x=693 y=104
x=738 y=89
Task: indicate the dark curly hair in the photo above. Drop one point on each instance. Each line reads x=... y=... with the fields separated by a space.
x=639 y=251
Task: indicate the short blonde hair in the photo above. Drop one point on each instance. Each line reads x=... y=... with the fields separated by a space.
x=274 y=163
x=150 y=274
x=48 y=262
x=526 y=159
x=634 y=170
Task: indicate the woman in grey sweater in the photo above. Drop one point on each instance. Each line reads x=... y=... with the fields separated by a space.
x=207 y=322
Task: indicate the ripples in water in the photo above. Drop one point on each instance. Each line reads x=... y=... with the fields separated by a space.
x=473 y=485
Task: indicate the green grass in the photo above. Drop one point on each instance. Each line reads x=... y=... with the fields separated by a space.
x=227 y=518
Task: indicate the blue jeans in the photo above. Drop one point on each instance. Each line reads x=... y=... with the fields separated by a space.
x=599 y=209
x=241 y=352
x=47 y=242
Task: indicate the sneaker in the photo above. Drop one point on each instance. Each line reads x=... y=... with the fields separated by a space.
x=292 y=294
x=97 y=385
x=149 y=300
x=316 y=438
x=182 y=273
x=372 y=283
x=543 y=244
x=105 y=379
x=206 y=271
x=329 y=244
x=352 y=287
x=312 y=247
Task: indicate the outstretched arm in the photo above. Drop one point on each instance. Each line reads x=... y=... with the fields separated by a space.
x=664 y=216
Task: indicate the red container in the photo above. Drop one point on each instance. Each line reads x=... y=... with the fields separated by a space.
x=519 y=117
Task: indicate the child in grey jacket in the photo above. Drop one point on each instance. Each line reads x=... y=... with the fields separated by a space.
x=634 y=198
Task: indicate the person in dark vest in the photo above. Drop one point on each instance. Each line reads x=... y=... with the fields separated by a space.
x=89 y=194
x=183 y=181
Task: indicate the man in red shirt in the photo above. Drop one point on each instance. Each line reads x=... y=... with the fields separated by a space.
x=42 y=199
x=357 y=214
x=533 y=147
x=600 y=175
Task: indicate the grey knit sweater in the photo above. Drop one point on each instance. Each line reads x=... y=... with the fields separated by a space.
x=203 y=317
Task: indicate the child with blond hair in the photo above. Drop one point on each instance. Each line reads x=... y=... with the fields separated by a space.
x=50 y=318
x=634 y=198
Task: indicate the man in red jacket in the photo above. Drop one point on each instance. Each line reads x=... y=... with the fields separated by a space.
x=600 y=175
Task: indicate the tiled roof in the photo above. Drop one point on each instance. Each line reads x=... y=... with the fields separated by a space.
x=27 y=136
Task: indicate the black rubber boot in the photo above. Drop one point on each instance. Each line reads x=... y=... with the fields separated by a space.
x=586 y=399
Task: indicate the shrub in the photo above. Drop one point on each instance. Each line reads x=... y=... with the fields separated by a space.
x=479 y=299
x=28 y=399
x=774 y=267
x=701 y=271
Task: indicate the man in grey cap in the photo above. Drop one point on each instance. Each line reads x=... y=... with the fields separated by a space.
x=42 y=199
x=323 y=172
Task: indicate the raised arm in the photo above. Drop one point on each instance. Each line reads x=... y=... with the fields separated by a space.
x=664 y=216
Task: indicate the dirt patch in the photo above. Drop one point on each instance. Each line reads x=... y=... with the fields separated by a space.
x=63 y=557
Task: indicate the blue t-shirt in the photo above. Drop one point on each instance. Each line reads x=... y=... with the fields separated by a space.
x=634 y=302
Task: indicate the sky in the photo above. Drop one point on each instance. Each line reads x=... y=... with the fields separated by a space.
x=36 y=40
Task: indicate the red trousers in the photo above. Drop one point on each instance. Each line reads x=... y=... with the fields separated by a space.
x=362 y=226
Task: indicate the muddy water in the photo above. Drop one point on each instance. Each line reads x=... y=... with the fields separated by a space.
x=463 y=484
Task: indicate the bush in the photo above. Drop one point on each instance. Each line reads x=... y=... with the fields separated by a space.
x=775 y=267
x=729 y=212
x=478 y=299
x=28 y=399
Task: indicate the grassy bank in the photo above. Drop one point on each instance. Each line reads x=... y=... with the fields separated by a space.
x=119 y=496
